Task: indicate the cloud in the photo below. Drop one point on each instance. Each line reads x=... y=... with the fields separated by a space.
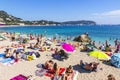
x=109 y=13
x=108 y=17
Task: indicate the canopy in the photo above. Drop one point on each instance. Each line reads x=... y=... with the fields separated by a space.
x=115 y=59
x=68 y=47
x=99 y=55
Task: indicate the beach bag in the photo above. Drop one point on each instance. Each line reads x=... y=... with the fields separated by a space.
x=37 y=55
x=30 y=58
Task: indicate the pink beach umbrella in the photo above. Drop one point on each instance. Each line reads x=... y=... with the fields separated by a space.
x=68 y=47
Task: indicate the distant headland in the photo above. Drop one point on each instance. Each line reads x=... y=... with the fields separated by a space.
x=7 y=19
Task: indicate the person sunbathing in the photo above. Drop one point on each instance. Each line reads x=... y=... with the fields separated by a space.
x=68 y=74
x=56 y=51
x=17 y=57
x=111 y=77
x=31 y=46
x=56 y=69
x=36 y=45
x=63 y=54
x=49 y=64
x=86 y=66
x=95 y=66
x=7 y=53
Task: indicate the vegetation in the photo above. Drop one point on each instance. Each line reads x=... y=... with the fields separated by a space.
x=12 y=20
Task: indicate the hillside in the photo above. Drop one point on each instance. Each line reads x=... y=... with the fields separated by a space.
x=8 y=19
x=82 y=22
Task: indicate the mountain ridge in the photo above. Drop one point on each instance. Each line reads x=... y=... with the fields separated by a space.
x=8 y=19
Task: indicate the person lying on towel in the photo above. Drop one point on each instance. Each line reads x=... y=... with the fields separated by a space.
x=90 y=67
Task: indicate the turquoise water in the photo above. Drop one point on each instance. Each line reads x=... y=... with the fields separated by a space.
x=98 y=33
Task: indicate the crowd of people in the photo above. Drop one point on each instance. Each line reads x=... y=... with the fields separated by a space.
x=19 y=52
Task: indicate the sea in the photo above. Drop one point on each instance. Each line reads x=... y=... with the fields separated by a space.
x=99 y=33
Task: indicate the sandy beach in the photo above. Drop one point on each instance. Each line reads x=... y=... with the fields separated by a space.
x=29 y=67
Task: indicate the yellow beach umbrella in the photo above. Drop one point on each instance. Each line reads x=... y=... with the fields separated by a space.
x=99 y=55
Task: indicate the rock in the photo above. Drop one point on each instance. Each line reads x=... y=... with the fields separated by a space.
x=82 y=38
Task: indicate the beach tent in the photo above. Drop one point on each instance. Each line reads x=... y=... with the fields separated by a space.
x=99 y=55
x=68 y=47
x=115 y=59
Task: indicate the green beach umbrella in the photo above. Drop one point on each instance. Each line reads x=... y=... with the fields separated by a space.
x=99 y=55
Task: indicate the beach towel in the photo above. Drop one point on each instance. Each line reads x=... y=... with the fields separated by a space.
x=20 y=49
x=50 y=73
x=2 y=55
x=57 y=78
x=41 y=72
x=75 y=75
x=19 y=77
x=7 y=60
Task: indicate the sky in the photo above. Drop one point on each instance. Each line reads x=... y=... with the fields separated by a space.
x=100 y=11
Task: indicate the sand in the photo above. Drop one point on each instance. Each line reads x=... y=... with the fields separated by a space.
x=29 y=67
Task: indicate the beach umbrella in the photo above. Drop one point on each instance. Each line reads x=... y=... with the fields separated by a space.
x=68 y=47
x=99 y=55
x=115 y=59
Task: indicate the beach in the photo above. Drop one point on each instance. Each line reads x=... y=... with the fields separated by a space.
x=29 y=67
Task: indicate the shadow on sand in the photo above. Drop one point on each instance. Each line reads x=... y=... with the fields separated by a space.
x=108 y=63
x=79 y=69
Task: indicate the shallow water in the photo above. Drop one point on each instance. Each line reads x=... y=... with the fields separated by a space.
x=98 y=33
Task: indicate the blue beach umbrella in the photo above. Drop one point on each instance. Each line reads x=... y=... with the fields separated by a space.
x=115 y=60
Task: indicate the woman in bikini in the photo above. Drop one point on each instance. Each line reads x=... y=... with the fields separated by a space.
x=68 y=74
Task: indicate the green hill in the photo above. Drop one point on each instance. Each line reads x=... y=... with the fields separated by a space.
x=12 y=20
